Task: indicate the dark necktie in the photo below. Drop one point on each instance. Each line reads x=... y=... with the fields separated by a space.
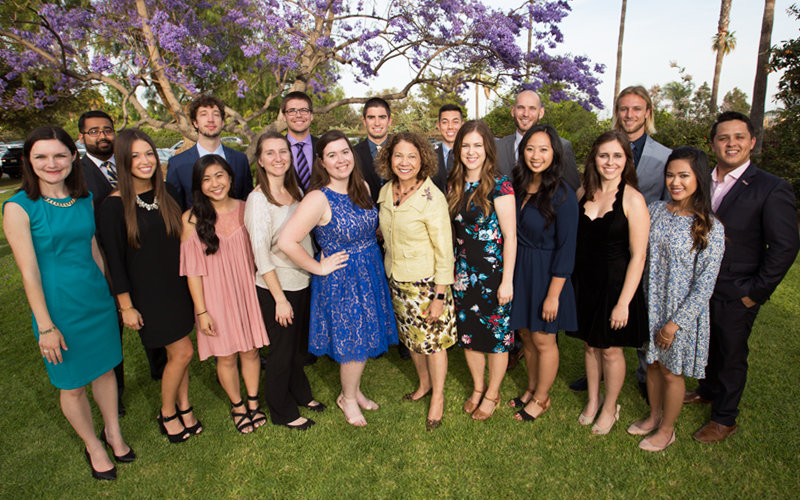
x=449 y=162
x=111 y=172
x=302 y=166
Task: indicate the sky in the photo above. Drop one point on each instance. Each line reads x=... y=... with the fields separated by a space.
x=656 y=32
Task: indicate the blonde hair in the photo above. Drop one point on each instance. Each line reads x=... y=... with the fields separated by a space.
x=638 y=90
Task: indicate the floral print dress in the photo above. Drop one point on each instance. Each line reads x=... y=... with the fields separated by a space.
x=483 y=324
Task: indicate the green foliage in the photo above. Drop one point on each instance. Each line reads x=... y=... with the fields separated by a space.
x=736 y=100
x=419 y=112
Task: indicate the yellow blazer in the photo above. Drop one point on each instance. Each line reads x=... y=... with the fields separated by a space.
x=417 y=235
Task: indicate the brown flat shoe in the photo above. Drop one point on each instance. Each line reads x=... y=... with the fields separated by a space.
x=431 y=424
x=410 y=397
x=714 y=432
x=692 y=397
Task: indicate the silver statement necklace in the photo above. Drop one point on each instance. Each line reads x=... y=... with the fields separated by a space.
x=147 y=206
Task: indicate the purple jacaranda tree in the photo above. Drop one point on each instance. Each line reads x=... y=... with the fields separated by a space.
x=173 y=49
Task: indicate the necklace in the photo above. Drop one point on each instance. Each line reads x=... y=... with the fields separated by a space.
x=400 y=196
x=147 y=206
x=62 y=204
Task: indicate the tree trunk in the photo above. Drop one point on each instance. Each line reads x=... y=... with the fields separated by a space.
x=722 y=34
x=618 y=76
x=760 y=85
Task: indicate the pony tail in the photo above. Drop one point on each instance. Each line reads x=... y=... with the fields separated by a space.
x=701 y=226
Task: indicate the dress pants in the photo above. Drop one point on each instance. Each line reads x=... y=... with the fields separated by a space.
x=285 y=383
x=726 y=371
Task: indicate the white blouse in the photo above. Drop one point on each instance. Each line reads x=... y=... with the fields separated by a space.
x=264 y=222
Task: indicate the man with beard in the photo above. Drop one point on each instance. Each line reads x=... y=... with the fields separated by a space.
x=207 y=113
x=527 y=111
x=97 y=134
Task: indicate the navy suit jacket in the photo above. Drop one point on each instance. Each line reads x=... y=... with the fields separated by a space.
x=367 y=166
x=761 y=236
x=96 y=182
x=440 y=179
x=506 y=160
x=179 y=174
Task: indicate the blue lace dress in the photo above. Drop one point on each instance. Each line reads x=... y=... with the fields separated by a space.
x=483 y=324
x=352 y=318
x=678 y=282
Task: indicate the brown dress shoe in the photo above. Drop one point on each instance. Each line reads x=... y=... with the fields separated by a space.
x=713 y=432
x=692 y=397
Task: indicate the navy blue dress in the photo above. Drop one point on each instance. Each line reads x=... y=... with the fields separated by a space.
x=352 y=318
x=543 y=253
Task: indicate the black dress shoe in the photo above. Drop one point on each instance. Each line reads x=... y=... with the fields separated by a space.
x=126 y=458
x=319 y=407
x=107 y=475
x=579 y=385
x=304 y=426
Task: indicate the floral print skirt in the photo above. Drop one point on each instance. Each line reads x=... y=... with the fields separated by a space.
x=410 y=300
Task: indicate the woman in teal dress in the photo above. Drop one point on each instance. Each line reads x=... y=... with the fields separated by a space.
x=49 y=225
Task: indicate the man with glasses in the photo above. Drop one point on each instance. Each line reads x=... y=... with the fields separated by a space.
x=299 y=113
x=97 y=133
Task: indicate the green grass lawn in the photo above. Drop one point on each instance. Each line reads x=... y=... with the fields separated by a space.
x=553 y=457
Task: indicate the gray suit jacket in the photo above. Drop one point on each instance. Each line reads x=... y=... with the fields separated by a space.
x=506 y=160
x=650 y=171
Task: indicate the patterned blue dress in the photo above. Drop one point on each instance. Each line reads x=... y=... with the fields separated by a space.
x=678 y=282
x=352 y=318
x=483 y=324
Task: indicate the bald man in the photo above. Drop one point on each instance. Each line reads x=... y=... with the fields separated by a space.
x=527 y=111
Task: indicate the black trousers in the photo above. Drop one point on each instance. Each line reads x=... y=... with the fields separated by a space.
x=156 y=359
x=726 y=371
x=285 y=383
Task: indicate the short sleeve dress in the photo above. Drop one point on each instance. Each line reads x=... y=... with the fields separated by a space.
x=544 y=253
x=601 y=261
x=75 y=291
x=229 y=287
x=482 y=324
x=149 y=273
x=351 y=310
x=678 y=283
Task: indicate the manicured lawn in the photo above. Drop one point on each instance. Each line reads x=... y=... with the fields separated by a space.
x=394 y=456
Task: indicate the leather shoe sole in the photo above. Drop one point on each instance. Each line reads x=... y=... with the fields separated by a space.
x=694 y=398
x=714 y=432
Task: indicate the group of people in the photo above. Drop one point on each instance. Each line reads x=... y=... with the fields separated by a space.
x=344 y=250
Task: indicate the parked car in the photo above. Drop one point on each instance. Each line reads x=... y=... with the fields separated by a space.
x=175 y=147
x=164 y=154
x=12 y=160
x=232 y=141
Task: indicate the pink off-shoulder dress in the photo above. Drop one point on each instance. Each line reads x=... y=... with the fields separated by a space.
x=229 y=287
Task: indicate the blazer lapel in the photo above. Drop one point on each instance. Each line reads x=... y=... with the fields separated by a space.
x=739 y=187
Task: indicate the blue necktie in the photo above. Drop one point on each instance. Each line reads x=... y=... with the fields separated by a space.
x=302 y=167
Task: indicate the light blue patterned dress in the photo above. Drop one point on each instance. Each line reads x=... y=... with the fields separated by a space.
x=679 y=282
x=352 y=317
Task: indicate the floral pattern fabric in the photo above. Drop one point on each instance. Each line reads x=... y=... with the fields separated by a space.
x=410 y=300
x=483 y=324
x=679 y=281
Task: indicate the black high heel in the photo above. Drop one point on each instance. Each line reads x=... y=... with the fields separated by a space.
x=107 y=475
x=126 y=458
x=173 y=438
x=197 y=428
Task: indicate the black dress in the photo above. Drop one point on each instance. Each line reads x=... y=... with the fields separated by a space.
x=601 y=261
x=149 y=273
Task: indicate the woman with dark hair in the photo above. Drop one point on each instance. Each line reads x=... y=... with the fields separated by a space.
x=684 y=256
x=140 y=231
x=419 y=261
x=481 y=204
x=49 y=225
x=217 y=259
x=612 y=246
x=547 y=225
x=351 y=310
x=283 y=288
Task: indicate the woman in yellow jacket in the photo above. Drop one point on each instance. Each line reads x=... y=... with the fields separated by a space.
x=419 y=262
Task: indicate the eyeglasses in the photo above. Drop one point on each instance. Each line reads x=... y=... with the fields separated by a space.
x=297 y=111
x=94 y=132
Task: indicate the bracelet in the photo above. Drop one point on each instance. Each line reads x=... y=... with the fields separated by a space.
x=439 y=296
x=123 y=309
x=49 y=330
x=204 y=312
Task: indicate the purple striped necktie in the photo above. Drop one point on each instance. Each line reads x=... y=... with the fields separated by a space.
x=302 y=166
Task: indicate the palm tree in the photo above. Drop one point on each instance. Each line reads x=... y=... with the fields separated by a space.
x=619 y=50
x=760 y=84
x=724 y=42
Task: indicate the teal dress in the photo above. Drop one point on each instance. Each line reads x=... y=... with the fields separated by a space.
x=75 y=291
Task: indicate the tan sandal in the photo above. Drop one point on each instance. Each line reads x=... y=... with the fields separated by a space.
x=480 y=415
x=469 y=406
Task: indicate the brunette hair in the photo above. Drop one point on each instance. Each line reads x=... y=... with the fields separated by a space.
x=202 y=210
x=356 y=190
x=296 y=95
x=429 y=164
x=729 y=116
x=289 y=180
x=591 y=179
x=167 y=207
x=700 y=202
x=551 y=177
x=95 y=113
x=30 y=181
x=376 y=102
x=457 y=178
x=206 y=101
